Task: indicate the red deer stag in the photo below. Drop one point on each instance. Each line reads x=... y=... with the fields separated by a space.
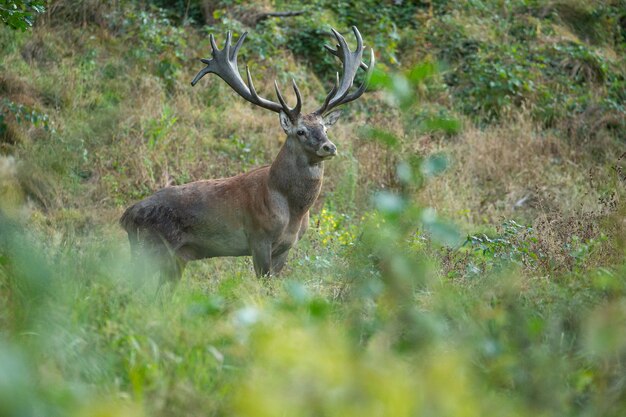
x=263 y=212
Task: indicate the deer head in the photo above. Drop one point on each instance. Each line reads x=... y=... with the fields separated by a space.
x=309 y=130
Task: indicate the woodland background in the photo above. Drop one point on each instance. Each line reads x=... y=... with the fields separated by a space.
x=466 y=256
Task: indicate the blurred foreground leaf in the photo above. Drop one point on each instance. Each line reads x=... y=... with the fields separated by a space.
x=434 y=165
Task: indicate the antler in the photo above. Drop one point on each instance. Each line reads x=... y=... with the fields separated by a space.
x=351 y=63
x=224 y=64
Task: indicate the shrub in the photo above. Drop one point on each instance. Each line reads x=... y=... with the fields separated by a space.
x=20 y=14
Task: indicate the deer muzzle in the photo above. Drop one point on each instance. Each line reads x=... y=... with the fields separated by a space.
x=327 y=150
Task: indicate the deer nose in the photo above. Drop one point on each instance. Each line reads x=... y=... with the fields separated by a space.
x=330 y=149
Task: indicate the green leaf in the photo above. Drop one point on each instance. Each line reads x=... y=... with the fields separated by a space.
x=422 y=72
x=442 y=232
x=388 y=203
x=19 y=14
x=381 y=79
x=434 y=165
x=443 y=124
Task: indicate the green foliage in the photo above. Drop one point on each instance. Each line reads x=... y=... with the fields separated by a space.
x=598 y=22
x=158 y=130
x=372 y=13
x=494 y=85
x=582 y=64
x=21 y=114
x=379 y=20
x=552 y=80
x=184 y=11
x=20 y=14
x=230 y=346
x=490 y=78
x=514 y=244
x=336 y=228
x=307 y=40
x=163 y=44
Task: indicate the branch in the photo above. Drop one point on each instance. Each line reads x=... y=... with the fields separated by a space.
x=262 y=16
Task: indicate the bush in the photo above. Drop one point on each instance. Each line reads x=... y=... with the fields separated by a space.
x=20 y=14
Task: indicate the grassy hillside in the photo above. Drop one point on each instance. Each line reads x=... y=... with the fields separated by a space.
x=466 y=256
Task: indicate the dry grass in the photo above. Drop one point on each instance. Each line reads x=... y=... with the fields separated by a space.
x=516 y=171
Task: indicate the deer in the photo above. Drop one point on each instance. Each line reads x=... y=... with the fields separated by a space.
x=262 y=213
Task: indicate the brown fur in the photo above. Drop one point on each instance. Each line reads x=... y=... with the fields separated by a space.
x=261 y=213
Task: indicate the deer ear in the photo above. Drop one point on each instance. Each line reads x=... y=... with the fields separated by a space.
x=285 y=122
x=331 y=118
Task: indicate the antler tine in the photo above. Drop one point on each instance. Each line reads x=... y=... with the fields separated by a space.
x=359 y=92
x=235 y=51
x=351 y=61
x=226 y=49
x=251 y=85
x=208 y=62
x=336 y=53
x=298 y=97
x=359 y=39
x=214 y=48
x=348 y=59
x=224 y=64
x=280 y=96
x=342 y=45
x=330 y=95
x=359 y=45
x=292 y=113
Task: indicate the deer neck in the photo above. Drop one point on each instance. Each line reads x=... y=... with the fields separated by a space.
x=297 y=176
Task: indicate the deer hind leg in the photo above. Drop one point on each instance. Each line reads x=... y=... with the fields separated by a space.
x=171 y=268
x=171 y=265
x=157 y=256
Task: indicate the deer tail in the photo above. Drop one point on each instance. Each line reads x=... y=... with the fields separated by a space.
x=127 y=221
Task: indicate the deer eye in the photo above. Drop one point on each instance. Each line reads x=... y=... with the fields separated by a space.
x=300 y=132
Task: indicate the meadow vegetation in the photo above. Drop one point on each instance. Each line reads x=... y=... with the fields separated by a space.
x=465 y=258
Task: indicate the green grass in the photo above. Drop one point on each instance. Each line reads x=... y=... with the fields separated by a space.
x=89 y=331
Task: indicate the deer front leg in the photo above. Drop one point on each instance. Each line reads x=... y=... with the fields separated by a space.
x=278 y=262
x=261 y=257
x=304 y=225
